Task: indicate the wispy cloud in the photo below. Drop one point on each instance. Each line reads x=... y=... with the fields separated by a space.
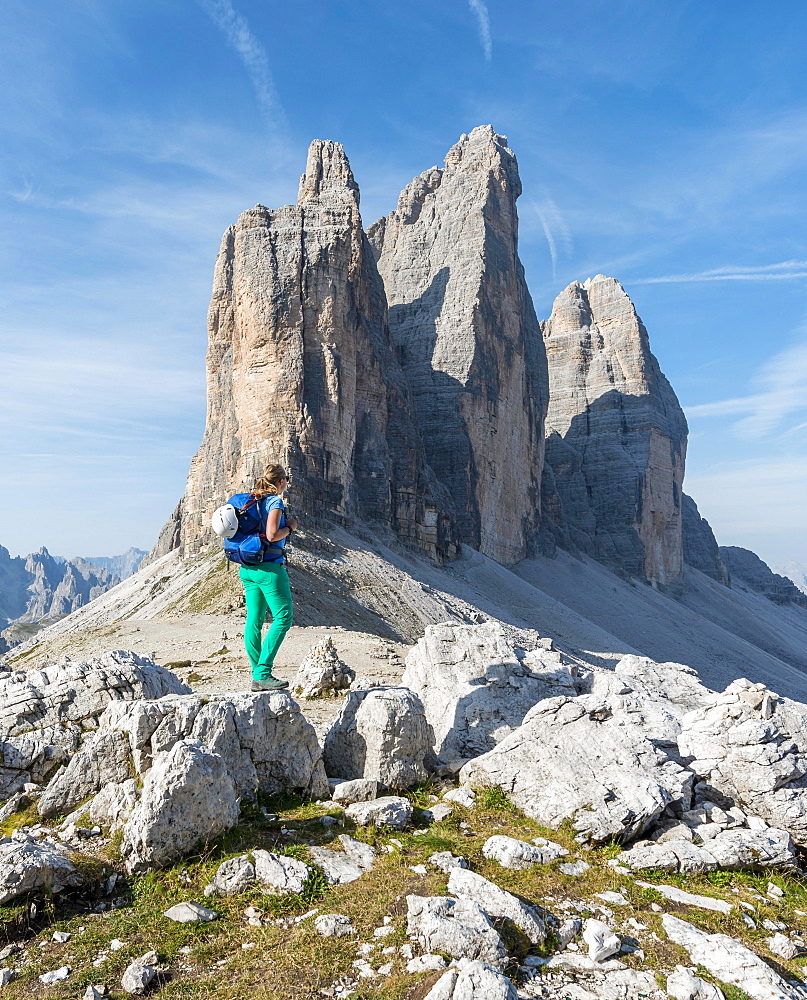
x=252 y=54
x=555 y=230
x=784 y=271
x=480 y=9
x=782 y=382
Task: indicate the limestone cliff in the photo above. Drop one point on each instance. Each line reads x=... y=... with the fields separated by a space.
x=700 y=547
x=467 y=338
x=747 y=568
x=616 y=435
x=300 y=370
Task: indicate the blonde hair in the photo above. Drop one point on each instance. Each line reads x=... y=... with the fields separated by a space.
x=268 y=483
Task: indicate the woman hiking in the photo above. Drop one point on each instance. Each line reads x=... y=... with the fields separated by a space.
x=266 y=584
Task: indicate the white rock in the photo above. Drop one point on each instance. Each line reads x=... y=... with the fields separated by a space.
x=27 y=866
x=389 y=810
x=438 y=813
x=497 y=902
x=571 y=760
x=334 y=925
x=61 y=937
x=683 y=984
x=446 y=861
x=233 y=876
x=474 y=687
x=732 y=849
x=116 y=944
x=688 y=898
x=426 y=963
x=264 y=739
x=322 y=672
x=783 y=947
x=518 y=854
x=54 y=977
x=609 y=896
x=472 y=980
x=751 y=745
x=279 y=874
x=574 y=868
x=140 y=973
x=459 y=928
x=188 y=797
x=730 y=961
x=6 y=975
x=357 y=790
x=601 y=940
x=190 y=913
x=341 y=867
x=382 y=735
x=463 y=796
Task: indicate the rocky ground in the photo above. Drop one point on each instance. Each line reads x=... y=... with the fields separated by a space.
x=506 y=823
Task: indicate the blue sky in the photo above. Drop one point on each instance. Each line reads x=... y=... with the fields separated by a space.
x=664 y=144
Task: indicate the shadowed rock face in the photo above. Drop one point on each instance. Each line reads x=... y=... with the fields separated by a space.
x=301 y=371
x=616 y=435
x=700 y=547
x=466 y=335
x=756 y=574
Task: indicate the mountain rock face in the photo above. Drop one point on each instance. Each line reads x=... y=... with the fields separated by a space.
x=467 y=338
x=122 y=566
x=43 y=586
x=700 y=546
x=301 y=371
x=748 y=568
x=616 y=435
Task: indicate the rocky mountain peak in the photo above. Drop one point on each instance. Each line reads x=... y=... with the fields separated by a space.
x=328 y=179
x=616 y=434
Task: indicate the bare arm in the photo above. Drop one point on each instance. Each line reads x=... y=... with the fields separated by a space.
x=274 y=532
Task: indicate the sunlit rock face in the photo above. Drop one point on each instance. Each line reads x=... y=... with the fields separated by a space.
x=467 y=338
x=616 y=434
x=301 y=371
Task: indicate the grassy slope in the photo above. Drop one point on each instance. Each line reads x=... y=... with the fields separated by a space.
x=208 y=961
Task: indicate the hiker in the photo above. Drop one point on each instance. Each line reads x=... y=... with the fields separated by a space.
x=266 y=584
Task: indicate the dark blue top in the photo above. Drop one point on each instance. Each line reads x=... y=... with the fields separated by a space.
x=267 y=504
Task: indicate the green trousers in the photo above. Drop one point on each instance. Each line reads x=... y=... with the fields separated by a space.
x=266 y=585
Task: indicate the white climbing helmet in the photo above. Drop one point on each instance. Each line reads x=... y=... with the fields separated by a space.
x=225 y=520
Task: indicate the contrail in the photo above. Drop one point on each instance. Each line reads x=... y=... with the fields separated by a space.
x=783 y=271
x=555 y=230
x=252 y=54
x=480 y=9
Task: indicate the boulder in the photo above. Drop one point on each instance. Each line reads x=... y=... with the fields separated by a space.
x=344 y=866
x=43 y=713
x=381 y=735
x=188 y=798
x=357 y=790
x=731 y=962
x=750 y=745
x=232 y=876
x=334 y=925
x=389 y=810
x=29 y=865
x=190 y=913
x=279 y=874
x=446 y=861
x=601 y=940
x=732 y=849
x=683 y=984
x=264 y=739
x=472 y=980
x=572 y=759
x=139 y=974
x=322 y=672
x=518 y=854
x=457 y=927
x=475 y=689
x=498 y=902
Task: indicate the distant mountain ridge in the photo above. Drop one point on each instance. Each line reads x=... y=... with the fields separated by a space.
x=42 y=586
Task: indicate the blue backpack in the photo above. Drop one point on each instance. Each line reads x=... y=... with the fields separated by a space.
x=248 y=545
